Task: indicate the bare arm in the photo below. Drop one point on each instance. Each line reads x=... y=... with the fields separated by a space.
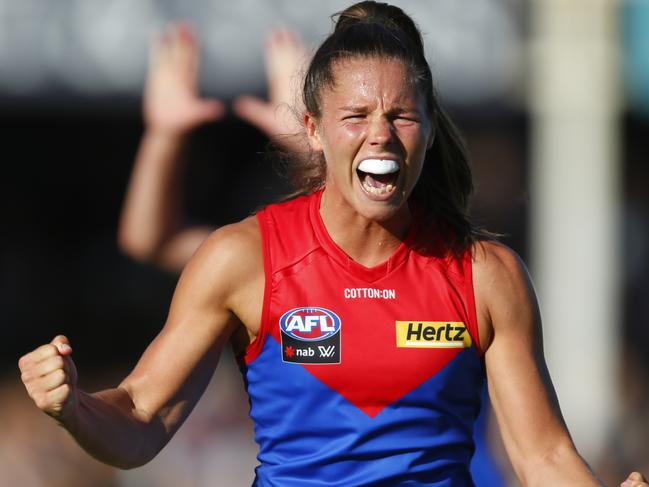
x=151 y=222
x=126 y=426
x=520 y=389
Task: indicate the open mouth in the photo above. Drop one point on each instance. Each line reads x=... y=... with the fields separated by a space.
x=378 y=176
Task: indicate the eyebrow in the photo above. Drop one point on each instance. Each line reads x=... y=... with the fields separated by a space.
x=353 y=108
x=363 y=108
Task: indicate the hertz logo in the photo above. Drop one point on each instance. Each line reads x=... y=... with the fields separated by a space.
x=432 y=334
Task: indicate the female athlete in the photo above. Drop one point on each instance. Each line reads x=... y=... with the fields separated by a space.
x=366 y=311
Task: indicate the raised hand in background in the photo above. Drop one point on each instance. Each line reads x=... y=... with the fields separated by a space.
x=279 y=117
x=172 y=103
x=151 y=225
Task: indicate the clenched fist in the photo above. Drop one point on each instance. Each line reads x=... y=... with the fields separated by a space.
x=50 y=377
x=635 y=479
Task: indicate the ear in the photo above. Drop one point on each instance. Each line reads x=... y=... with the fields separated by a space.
x=311 y=124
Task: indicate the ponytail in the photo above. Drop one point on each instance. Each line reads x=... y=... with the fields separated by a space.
x=372 y=29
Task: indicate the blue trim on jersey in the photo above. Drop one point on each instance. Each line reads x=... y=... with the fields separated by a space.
x=309 y=435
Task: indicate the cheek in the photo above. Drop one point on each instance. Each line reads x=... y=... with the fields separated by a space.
x=354 y=130
x=343 y=141
x=414 y=139
x=415 y=142
x=345 y=138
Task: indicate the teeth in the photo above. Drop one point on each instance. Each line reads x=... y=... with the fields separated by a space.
x=378 y=166
x=380 y=190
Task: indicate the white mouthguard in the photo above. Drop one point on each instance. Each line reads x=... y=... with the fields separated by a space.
x=378 y=166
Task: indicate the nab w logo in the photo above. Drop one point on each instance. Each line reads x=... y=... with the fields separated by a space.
x=432 y=334
x=327 y=351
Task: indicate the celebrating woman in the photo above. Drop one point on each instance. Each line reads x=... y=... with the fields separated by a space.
x=366 y=310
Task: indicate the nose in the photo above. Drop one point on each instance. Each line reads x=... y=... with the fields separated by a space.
x=380 y=131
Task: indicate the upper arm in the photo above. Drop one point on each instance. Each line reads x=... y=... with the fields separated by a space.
x=520 y=388
x=176 y=251
x=171 y=253
x=176 y=367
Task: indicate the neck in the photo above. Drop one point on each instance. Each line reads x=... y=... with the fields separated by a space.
x=367 y=241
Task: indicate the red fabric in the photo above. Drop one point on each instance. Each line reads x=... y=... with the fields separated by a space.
x=304 y=267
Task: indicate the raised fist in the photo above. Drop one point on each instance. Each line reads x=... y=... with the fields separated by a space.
x=50 y=377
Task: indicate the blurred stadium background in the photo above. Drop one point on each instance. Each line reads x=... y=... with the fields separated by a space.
x=552 y=96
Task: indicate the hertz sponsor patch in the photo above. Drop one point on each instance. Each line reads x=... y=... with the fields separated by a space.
x=432 y=334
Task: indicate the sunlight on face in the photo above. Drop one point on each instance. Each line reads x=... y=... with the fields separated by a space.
x=374 y=132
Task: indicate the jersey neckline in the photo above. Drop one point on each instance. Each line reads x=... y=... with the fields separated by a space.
x=368 y=274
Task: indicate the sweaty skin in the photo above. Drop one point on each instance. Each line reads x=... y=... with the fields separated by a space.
x=220 y=294
x=371 y=112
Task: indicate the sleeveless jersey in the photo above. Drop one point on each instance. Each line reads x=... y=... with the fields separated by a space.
x=360 y=376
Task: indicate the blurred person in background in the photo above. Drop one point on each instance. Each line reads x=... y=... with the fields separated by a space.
x=152 y=227
x=374 y=100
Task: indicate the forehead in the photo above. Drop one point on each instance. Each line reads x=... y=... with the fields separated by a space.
x=362 y=80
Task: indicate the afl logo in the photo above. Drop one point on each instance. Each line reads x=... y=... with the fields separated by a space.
x=310 y=324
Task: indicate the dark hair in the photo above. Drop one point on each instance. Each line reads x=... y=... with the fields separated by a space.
x=372 y=29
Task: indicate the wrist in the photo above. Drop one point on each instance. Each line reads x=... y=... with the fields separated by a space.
x=167 y=142
x=68 y=416
x=166 y=133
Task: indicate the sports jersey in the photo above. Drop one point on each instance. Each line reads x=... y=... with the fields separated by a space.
x=361 y=376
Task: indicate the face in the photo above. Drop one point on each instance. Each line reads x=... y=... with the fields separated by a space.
x=374 y=132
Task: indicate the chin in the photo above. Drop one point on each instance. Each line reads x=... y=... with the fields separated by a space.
x=383 y=210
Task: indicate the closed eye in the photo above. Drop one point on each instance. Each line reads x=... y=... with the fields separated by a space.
x=406 y=117
x=354 y=116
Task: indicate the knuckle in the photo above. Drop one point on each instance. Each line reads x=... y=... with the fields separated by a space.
x=44 y=351
x=59 y=338
x=40 y=400
x=59 y=363
x=23 y=361
x=59 y=375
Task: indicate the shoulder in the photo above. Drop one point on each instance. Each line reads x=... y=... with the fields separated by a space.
x=496 y=265
x=502 y=286
x=236 y=238
x=229 y=256
x=293 y=206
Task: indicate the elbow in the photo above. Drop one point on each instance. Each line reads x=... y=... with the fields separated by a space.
x=136 y=247
x=130 y=465
x=146 y=446
x=560 y=464
x=134 y=436
x=142 y=457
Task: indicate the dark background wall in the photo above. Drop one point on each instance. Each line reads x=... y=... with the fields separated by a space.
x=64 y=177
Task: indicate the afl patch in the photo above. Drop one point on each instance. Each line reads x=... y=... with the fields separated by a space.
x=310 y=335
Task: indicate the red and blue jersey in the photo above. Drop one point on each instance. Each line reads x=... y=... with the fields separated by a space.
x=361 y=376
